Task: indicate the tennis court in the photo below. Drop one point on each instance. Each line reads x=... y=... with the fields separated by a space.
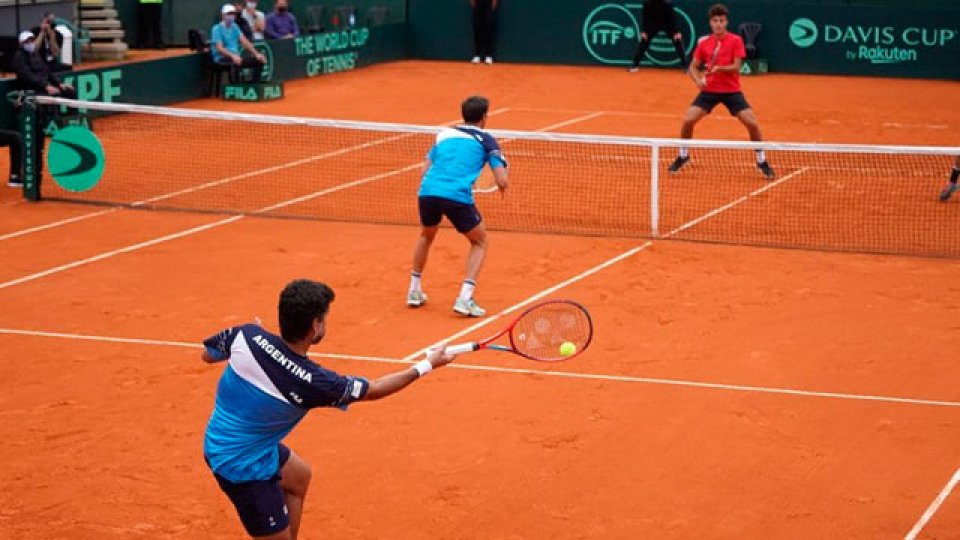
x=731 y=391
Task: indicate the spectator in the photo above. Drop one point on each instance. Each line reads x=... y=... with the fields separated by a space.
x=226 y=41
x=484 y=19
x=255 y=19
x=34 y=74
x=15 y=142
x=149 y=14
x=242 y=23
x=49 y=43
x=281 y=24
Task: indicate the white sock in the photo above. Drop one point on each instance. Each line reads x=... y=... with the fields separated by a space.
x=684 y=152
x=466 y=291
x=415 y=281
x=761 y=156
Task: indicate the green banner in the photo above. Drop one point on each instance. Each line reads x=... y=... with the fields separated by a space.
x=914 y=39
x=331 y=52
x=900 y=42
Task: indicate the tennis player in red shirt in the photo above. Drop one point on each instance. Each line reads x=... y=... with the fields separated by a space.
x=716 y=71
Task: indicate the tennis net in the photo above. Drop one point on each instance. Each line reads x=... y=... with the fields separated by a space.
x=874 y=199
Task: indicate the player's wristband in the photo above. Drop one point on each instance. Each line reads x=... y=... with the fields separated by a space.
x=423 y=367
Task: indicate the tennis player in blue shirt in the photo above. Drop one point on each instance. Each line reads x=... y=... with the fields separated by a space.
x=453 y=165
x=267 y=387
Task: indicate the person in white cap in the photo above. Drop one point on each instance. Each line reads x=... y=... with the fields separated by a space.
x=32 y=71
x=34 y=75
x=226 y=41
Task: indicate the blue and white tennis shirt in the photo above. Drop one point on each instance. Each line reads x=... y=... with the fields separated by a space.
x=457 y=159
x=265 y=390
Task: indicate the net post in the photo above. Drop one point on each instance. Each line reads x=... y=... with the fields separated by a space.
x=654 y=190
x=29 y=131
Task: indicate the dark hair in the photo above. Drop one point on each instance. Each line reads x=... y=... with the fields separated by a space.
x=719 y=10
x=474 y=108
x=301 y=302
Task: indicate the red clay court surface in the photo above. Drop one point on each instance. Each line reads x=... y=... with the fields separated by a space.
x=731 y=392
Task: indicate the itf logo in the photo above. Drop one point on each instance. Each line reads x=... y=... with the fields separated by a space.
x=804 y=33
x=611 y=33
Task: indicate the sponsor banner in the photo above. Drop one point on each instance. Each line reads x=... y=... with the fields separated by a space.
x=253 y=92
x=872 y=41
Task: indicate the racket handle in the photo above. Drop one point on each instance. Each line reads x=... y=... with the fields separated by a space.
x=462 y=348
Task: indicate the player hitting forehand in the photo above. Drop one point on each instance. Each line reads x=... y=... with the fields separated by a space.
x=716 y=71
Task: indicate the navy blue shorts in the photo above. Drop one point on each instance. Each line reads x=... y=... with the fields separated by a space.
x=259 y=503
x=735 y=102
x=463 y=216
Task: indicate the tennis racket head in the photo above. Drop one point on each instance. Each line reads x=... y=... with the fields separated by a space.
x=539 y=332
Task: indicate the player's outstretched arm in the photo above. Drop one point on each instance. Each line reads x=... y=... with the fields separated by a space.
x=394 y=382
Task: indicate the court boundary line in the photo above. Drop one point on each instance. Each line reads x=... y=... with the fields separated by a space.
x=934 y=506
x=215 y=224
x=528 y=371
x=608 y=263
x=225 y=180
x=674 y=116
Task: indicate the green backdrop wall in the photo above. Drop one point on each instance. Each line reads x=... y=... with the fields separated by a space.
x=876 y=37
x=151 y=83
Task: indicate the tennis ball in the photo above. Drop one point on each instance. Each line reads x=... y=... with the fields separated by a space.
x=567 y=349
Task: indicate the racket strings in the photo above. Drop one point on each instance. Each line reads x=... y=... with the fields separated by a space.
x=542 y=330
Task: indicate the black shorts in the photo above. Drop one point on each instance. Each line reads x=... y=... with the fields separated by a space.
x=735 y=102
x=655 y=23
x=463 y=216
x=259 y=503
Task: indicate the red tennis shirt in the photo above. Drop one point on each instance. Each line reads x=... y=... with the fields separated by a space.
x=731 y=48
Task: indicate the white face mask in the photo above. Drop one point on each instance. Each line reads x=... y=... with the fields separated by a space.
x=30 y=47
x=228 y=19
x=251 y=5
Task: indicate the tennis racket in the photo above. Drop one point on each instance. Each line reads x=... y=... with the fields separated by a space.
x=713 y=61
x=540 y=332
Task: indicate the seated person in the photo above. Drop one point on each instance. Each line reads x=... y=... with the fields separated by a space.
x=33 y=72
x=281 y=24
x=242 y=22
x=227 y=39
x=50 y=42
x=34 y=75
x=255 y=19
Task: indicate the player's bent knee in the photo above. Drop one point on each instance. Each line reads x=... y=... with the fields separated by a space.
x=296 y=475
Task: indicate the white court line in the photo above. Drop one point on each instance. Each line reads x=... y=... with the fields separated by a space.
x=610 y=262
x=565 y=123
x=731 y=204
x=112 y=253
x=545 y=373
x=55 y=224
x=830 y=121
x=288 y=202
x=934 y=506
x=227 y=180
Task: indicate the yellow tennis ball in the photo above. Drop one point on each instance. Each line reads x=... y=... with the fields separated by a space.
x=567 y=349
